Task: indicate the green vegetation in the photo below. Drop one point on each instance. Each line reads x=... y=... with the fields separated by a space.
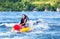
x=29 y=5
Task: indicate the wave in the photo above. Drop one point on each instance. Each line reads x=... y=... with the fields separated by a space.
x=32 y=23
x=8 y=24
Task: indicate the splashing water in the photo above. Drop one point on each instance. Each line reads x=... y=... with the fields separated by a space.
x=38 y=24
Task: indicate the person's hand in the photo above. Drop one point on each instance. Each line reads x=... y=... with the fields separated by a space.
x=23 y=27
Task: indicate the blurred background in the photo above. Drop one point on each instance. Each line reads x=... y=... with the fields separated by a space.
x=29 y=5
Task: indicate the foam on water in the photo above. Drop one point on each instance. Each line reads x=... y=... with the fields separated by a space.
x=8 y=24
x=40 y=24
x=37 y=26
x=32 y=23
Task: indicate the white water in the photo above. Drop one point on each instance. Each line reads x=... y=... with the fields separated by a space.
x=32 y=24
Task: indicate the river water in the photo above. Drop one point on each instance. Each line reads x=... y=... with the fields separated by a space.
x=45 y=25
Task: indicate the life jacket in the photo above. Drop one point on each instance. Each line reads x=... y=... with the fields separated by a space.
x=22 y=21
x=17 y=27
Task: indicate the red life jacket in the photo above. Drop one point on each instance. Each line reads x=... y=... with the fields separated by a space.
x=17 y=27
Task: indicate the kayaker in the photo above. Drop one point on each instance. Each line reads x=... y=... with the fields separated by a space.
x=22 y=24
x=24 y=19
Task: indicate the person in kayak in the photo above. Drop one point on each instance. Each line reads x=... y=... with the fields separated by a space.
x=24 y=19
x=22 y=24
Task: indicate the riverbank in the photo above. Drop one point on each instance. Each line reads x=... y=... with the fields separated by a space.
x=29 y=5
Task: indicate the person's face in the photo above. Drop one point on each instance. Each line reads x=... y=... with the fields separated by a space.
x=23 y=16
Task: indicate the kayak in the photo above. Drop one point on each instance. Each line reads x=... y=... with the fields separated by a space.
x=20 y=28
x=25 y=29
